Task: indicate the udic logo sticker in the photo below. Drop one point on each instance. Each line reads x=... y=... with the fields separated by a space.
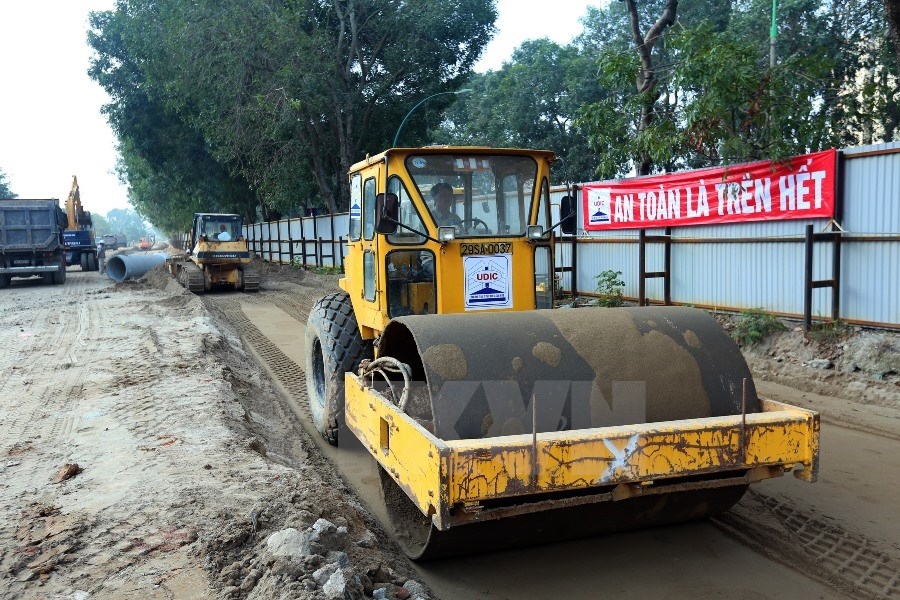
x=488 y=281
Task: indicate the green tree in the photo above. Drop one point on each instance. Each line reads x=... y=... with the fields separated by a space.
x=101 y=225
x=5 y=191
x=129 y=222
x=892 y=14
x=716 y=98
x=166 y=161
x=285 y=96
x=530 y=102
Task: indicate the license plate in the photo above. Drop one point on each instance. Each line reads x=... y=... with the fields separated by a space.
x=489 y=248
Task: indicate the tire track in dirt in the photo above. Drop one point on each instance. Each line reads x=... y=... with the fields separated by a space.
x=55 y=329
x=41 y=421
x=104 y=411
x=814 y=545
x=287 y=375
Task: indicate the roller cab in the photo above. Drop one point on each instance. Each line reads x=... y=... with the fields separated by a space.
x=448 y=230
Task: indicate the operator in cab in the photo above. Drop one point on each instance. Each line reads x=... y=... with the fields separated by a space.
x=444 y=216
x=223 y=235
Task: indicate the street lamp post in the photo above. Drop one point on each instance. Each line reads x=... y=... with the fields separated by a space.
x=406 y=118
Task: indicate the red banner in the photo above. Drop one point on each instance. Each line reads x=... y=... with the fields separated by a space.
x=801 y=188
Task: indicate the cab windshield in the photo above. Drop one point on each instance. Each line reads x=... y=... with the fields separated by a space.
x=479 y=194
x=222 y=228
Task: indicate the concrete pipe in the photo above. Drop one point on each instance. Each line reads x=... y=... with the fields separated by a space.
x=122 y=267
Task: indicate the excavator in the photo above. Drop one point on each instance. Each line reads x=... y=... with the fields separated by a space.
x=81 y=249
x=498 y=421
x=218 y=258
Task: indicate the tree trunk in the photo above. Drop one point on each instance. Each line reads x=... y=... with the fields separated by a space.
x=892 y=14
x=646 y=76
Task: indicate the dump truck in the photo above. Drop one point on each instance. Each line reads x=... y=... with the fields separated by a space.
x=219 y=257
x=497 y=420
x=31 y=240
x=114 y=241
x=81 y=249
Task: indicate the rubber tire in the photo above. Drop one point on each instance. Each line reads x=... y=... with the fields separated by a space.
x=4 y=281
x=333 y=347
x=92 y=262
x=59 y=276
x=83 y=261
x=46 y=278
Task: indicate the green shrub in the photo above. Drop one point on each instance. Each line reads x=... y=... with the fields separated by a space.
x=297 y=263
x=610 y=287
x=828 y=332
x=754 y=325
x=328 y=270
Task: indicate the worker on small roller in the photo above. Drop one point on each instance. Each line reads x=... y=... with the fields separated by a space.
x=223 y=235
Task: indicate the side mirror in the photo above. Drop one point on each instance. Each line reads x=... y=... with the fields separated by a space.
x=568 y=214
x=387 y=213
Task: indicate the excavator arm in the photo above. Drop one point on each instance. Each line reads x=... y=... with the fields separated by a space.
x=78 y=217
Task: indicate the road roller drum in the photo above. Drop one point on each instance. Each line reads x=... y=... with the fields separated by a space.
x=485 y=373
x=502 y=374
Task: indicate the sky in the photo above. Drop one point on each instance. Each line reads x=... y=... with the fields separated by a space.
x=51 y=127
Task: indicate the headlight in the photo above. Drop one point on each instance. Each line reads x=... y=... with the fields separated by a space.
x=446 y=234
x=534 y=232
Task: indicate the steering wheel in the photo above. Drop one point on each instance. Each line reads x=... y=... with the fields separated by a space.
x=474 y=222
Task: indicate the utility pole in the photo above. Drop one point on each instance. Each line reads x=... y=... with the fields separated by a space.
x=773 y=33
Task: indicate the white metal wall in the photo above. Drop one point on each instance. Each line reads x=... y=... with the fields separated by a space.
x=734 y=275
x=322 y=238
x=870 y=271
x=769 y=273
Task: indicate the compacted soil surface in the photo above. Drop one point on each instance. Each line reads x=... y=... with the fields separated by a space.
x=155 y=444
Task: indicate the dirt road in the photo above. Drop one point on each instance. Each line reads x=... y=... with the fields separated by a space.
x=184 y=415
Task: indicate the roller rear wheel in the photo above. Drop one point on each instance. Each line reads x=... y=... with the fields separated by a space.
x=334 y=347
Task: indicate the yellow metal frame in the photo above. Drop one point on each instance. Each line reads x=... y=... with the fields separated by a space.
x=449 y=480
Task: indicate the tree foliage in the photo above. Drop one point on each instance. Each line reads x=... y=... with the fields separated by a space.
x=5 y=191
x=892 y=14
x=270 y=102
x=718 y=100
x=530 y=102
x=260 y=107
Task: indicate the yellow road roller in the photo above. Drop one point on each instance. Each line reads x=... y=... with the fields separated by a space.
x=498 y=421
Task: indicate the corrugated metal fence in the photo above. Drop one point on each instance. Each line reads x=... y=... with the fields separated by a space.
x=848 y=268
x=319 y=241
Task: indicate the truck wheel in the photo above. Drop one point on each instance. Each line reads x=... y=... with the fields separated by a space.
x=59 y=276
x=84 y=262
x=4 y=281
x=92 y=262
x=334 y=346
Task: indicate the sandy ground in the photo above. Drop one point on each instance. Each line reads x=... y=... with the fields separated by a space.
x=147 y=451
x=128 y=462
